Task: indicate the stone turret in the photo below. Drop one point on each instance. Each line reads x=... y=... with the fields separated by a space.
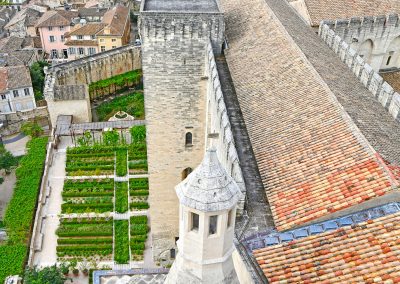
x=208 y=199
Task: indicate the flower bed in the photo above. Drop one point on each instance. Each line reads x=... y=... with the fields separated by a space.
x=88 y=238
x=21 y=209
x=121 y=197
x=121 y=239
x=85 y=188
x=137 y=154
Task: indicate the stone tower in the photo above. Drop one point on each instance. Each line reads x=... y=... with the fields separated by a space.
x=174 y=36
x=208 y=199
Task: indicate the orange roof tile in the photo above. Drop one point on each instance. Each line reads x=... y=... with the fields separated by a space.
x=312 y=159
x=365 y=253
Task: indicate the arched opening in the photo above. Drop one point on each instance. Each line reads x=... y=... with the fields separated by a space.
x=188 y=139
x=365 y=50
x=186 y=172
x=391 y=59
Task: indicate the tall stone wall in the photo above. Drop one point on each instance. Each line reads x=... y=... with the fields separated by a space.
x=98 y=67
x=175 y=85
x=374 y=38
x=380 y=89
x=66 y=85
x=218 y=126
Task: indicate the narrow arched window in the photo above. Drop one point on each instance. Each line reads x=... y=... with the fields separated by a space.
x=388 y=60
x=188 y=139
x=186 y=172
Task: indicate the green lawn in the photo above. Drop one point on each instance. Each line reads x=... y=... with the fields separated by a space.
x=132 y=104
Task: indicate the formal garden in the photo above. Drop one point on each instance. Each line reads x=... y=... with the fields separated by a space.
x=103 y=214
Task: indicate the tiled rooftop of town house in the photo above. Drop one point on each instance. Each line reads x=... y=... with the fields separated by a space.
x=312 y=159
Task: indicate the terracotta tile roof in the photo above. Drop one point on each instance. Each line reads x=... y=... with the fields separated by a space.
x=14 y=77
x=56 y=18
x=312 y=159
x=79 y=42
x=116 y=19
x=343 y=9
x=364 y=253
x=88 y=29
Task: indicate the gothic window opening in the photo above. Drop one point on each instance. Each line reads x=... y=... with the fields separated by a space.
x=186 y=172
x=188 y=139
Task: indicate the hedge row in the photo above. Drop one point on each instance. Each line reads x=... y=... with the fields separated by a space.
x=121 y=238
x=20 y=212
x=121 y=197
x=138 y=183
x=80 y=241
x=121 y=163
x=139 y=205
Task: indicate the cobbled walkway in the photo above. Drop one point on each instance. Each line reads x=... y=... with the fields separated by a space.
x=375 y=123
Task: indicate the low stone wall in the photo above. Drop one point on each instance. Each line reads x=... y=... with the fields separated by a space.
x=379 y=88
x=45 y=189
x=219 y=127
x=13 y=121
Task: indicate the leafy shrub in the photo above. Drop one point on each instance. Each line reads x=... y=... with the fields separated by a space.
x=121 y=239
x=121 y=197
x=32 y=129
x=7 y=160
x=139 y=192
x=142 y=219
x=78 y=230
x=46 y=275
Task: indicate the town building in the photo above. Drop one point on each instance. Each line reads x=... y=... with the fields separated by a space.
x=6 y=13
x=116 y=33
x=16 y=93
x=23 y=23
x=82 y=41
x=52 y=27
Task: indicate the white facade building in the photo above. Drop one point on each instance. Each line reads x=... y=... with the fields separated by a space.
x=16 y=92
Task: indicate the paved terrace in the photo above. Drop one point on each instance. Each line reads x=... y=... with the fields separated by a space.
x=312 y=159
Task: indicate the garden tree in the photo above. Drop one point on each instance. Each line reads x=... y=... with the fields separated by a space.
x=138 y=134
x=38 y=76
x=110 y=138
x=31 y=128
x=7 y=160
x=47 y=275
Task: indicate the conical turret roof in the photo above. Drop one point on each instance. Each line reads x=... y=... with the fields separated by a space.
x=209 y=187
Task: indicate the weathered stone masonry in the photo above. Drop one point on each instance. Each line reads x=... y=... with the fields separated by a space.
x=174 y=49
x=66 y=89
x=380 y=89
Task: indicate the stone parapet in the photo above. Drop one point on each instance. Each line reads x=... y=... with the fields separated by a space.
x=362 y=70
